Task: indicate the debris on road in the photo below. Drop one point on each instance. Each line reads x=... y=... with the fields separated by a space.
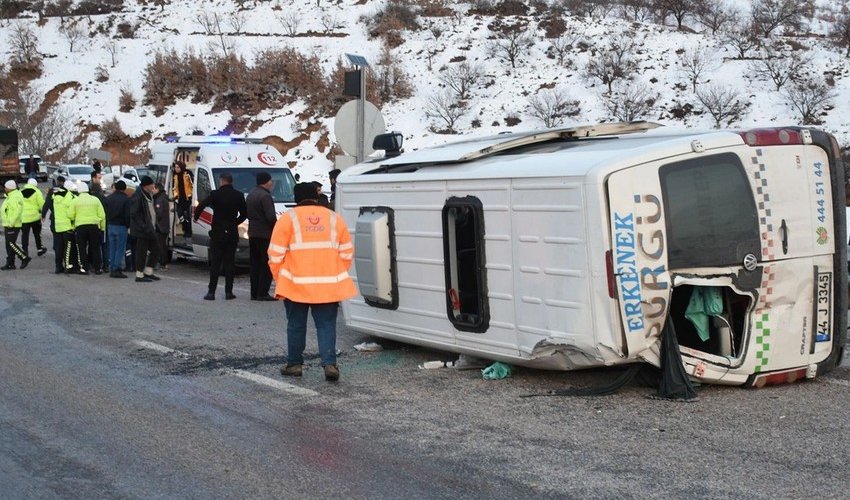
x=369 y=347
x=496 y=371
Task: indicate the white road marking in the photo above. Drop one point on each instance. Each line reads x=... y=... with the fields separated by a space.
x=836 y=381
x=244 y=374
x=276 y=384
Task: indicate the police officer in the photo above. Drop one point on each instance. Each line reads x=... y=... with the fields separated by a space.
x=31 y=218
x=89 y=223
x=229 y=210
x=13 y=209
x=309 y=255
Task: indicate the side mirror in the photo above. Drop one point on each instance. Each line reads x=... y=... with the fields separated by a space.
x=390 y=143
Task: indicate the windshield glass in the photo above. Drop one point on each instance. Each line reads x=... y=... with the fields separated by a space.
x=245 y=179
x=80 y=170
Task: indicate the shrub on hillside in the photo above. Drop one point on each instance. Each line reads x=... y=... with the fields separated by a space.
x=126 y=30
x=10 y=9
x=111 y=131
x=57 y=8
x=389 y=22
x=94 y=7
x=126 y=100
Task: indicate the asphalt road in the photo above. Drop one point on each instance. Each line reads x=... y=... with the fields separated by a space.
x=116 y=389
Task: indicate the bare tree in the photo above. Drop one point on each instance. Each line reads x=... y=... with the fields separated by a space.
x=112 y=48
x=629 y=102
x=446 y=107
x=46 y=129
x=210 y=22
x=715 y=15
x=290 y=20
x=560 y=46
x=552 y=106
x=722 y=103
x=810 y=98
x=679 y=9
x=329 y=20
x=636 y=10
x=461 y=78
x=237 y=21
x=768 y=15
x=839 y=31
x=741 y=37
x=613 y=63
x=779 y=68
x=511 y=44
x=23 y=43
x=73 y=33
x=695 y=64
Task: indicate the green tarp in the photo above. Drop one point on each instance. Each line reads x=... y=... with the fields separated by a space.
x=705 y=301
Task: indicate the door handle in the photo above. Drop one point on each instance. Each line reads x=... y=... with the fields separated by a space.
x=784 y=228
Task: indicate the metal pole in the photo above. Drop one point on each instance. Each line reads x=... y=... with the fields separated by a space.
x=361 y=118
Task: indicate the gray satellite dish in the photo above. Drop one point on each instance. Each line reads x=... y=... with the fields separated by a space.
x=345 y=127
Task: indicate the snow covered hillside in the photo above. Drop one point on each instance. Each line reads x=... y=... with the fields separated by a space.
x=472 y=68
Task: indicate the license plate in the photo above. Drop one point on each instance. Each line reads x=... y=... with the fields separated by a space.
x=823 y=307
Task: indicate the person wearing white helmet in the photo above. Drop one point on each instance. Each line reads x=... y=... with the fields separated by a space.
x=89 y=223
x=71 y=260
x=13 y=208
x=31 y=218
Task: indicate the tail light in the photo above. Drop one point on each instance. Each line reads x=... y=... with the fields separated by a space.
x=771 y=137
x=609 y=268
x=780 y=377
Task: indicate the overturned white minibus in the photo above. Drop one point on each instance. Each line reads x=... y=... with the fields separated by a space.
x=572 y=248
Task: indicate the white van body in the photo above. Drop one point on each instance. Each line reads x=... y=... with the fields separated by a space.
x=573 y=248
x=207 y=158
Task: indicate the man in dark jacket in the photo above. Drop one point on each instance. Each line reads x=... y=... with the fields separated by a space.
x=96 y=190
x=117 y=221
x=229 y=210
x=261 y=221
x=143 y=228
x=31 y=167
x=162 y=209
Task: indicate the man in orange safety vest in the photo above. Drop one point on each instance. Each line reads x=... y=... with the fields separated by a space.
x=309 y=256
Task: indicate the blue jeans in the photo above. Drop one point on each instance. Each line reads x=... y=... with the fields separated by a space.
x=324 y=316
x=117 y=244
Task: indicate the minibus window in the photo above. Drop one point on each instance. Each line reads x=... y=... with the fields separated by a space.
x=463 y=248
x=203 y=185
x=710 y=212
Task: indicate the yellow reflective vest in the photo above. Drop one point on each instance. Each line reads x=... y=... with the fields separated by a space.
x=85 y=209
x=13 y=208
x=33 y=201
x=310 y=254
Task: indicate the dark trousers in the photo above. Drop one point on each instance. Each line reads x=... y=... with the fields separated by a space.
x=59 y=251
x=183 y=214
x=261 y=275
x=35 y=227
x=324 y=316
x=162 y=248
x=71 y=256
x=222 y=258
x=12 y=248
x=88 y=246
x=146 y=253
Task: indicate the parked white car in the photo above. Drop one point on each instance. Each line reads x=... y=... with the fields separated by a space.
x=77 y=172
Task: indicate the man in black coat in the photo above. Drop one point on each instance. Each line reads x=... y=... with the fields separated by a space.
x=261 y=221
x=229 y=210
x=143 y=229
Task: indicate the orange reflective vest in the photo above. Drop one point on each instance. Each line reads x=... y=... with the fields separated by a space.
x=310 y=254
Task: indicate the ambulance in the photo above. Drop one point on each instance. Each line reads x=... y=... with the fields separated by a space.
x=206 y=158
x=580 y=247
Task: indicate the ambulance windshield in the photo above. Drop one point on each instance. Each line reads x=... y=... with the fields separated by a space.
x=245 y=179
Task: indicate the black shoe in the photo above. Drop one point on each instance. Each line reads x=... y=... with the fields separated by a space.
x=266 y=298
x=120 y=274
x=42 y=251
x=98 y=272
x=143 y=279
x=8 y=267
x=152 y=277
x=25 y=262
x=59 y=271
x=229 y=296
x=114 y=274
x=209 y=296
